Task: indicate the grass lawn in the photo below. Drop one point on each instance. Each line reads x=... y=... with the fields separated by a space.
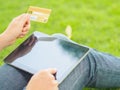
x=95 y=23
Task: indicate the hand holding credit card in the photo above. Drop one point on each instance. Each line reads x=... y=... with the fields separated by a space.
x=39 y=14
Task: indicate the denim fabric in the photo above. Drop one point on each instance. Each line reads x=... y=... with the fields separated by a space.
x=106 y=72
x=12 y=78
x=97 y=69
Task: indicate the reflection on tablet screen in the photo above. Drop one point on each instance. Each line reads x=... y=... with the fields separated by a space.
x=36 y=54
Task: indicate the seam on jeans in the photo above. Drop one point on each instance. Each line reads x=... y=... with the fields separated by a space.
x=93 y=73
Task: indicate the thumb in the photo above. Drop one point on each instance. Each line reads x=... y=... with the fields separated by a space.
x=52 y=70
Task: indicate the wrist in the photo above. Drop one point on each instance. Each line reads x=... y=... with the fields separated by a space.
x=4 y=41
x=10 y=38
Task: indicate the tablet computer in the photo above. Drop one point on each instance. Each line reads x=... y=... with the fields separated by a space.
x=41 y=51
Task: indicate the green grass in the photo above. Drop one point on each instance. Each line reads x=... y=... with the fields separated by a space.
x=95 y=23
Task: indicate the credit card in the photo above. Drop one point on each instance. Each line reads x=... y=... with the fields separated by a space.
x=39 y=14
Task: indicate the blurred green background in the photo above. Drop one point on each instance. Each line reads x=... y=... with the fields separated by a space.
x=95 y=23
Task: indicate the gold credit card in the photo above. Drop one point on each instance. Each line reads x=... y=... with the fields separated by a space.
x=39 y=14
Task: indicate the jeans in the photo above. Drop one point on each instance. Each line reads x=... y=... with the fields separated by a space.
x=97 y=69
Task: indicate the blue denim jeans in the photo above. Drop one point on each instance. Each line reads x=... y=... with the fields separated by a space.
x=97 y=69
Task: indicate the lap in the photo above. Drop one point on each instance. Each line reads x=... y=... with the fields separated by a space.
x=12 y=78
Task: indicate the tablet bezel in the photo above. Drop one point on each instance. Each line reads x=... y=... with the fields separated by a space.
x=39 y=35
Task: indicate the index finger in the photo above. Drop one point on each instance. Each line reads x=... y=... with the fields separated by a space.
x=23 y=19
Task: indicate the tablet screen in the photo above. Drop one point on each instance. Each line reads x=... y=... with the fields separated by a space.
x=37 y=53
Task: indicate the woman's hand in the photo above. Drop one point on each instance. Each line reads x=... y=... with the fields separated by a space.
x=43 y=80
x=18 y=27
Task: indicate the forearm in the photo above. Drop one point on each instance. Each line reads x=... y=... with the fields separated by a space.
x=18 y=28
x=3 y=41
